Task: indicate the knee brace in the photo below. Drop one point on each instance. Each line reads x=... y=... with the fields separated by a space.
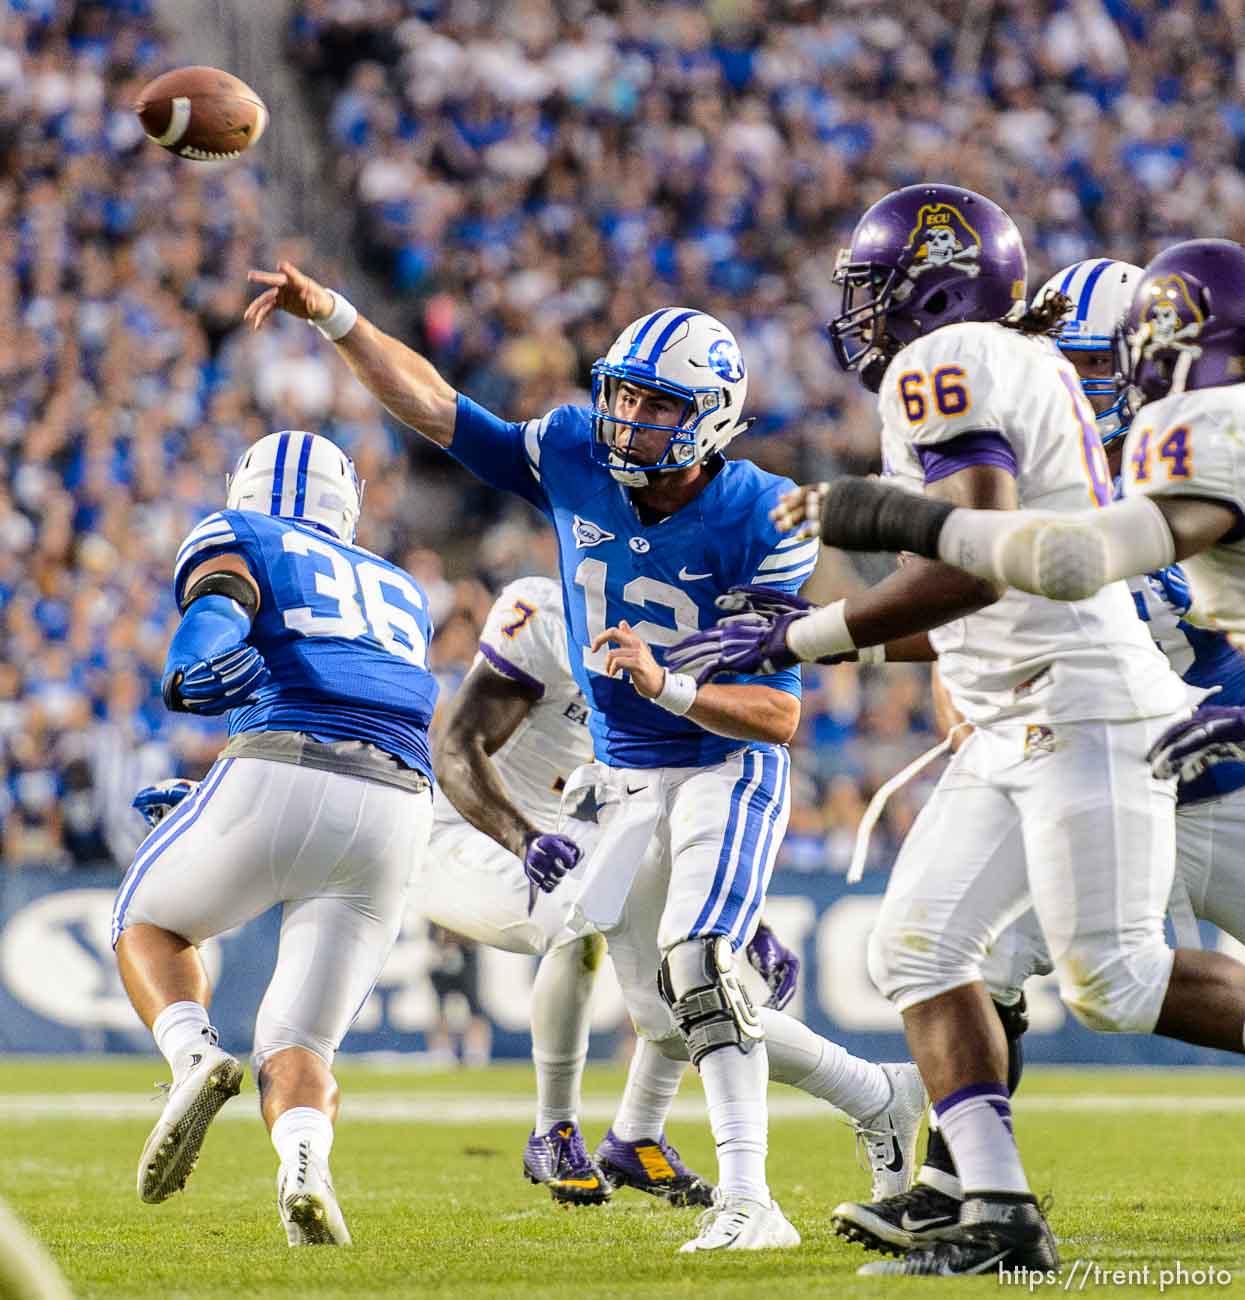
x=1122 y=994
x=710 y=1006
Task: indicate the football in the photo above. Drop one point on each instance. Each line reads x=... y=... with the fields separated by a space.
x=202 y=114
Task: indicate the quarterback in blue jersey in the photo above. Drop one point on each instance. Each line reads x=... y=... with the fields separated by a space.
x=653 y=524
x=320 y=802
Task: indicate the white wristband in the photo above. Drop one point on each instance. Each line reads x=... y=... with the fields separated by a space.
x=678 y=692
x=339 y=322
x=821 y=633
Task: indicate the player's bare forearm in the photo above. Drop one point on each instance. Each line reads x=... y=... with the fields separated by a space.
x=483 y=716
x=911 y=650
x=406 y=384
x=924 y=594
x=746 y=711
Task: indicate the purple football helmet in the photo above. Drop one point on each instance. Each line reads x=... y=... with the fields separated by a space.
x=923 y=256
x=1186 y=325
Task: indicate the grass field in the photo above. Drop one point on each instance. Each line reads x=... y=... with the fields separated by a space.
x=1144 y=1169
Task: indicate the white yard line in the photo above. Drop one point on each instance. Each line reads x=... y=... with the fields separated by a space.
x=476 y=1107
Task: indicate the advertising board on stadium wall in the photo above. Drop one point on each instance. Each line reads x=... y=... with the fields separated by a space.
x=59 y=989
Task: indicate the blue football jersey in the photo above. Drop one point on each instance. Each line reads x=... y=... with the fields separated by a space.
x=661 y=577
x=344 y=633
x=1203 y=658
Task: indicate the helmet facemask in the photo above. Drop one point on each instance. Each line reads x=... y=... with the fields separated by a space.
x=615 y=437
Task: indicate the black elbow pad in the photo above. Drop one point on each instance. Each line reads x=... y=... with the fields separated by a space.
x=224 y=583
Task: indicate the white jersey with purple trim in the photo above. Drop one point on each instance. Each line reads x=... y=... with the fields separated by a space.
x=983 y=394
x=1193 y=445
x=524 y=638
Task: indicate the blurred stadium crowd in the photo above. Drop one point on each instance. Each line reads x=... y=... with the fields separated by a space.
x=526 y=178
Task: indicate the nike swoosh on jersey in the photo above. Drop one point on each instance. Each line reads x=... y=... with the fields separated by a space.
x=684 y=576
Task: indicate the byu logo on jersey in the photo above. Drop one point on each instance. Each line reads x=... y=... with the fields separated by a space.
x=589 y=534
x=1171 y=319
x=726 y=360
x=942 y=239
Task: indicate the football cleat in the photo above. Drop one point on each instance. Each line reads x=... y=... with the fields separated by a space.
x=560 y=1160
x=653 y=1166
x=169 y=1156
x=994 y=1233
x=308 y=1203
x=889 y=1138
x=733 y=1223
x=898 y=1223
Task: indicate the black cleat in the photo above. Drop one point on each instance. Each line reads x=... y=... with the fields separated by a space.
x=916 y=1217
x=995 y=1235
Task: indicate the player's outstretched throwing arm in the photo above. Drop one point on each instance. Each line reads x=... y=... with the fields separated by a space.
x=405 y=383
x=485 y=713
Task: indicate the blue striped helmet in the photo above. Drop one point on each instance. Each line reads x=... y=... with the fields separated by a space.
x=684 y=354
x=1101 y=290
x=298 y=475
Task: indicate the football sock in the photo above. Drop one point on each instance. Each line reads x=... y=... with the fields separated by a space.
x=302 y=1124
x=976 y=1123
x=821 y=1068
x=938 y=1168
x=181 y=1029
x=652 y=1082
x=735 y=1086
x=561 y=997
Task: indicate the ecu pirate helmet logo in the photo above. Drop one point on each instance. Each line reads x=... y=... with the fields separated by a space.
x=941 y=239
x=1171 y=318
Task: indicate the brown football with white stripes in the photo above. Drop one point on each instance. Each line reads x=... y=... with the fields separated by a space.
x=202 y=114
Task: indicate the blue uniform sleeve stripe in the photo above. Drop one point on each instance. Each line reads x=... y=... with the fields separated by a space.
x=219 y=529
x=666 y=334
x=300 y=492
x=278 y=473
x=785 y=559
x=188 y=554
x=1082 y=309
x=771 y=576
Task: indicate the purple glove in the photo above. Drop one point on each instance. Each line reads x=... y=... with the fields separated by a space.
x=548 y=858
x=776 y=964
x=769 y=602
x=1210 y=736
x=743 y=643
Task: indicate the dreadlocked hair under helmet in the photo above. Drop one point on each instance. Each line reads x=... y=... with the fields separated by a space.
x=1047 y=316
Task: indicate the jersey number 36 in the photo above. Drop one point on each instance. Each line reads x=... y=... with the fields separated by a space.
x=342 y=587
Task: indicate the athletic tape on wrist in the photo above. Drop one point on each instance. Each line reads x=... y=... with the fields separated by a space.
x=678 y=693
x=823 y=632
x=340 y=321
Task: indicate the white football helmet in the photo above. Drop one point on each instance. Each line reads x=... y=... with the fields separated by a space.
x=1101 y=290
x=688 y=355
x=297 y=475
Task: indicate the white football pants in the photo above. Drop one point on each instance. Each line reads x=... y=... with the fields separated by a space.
x=337 y=852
